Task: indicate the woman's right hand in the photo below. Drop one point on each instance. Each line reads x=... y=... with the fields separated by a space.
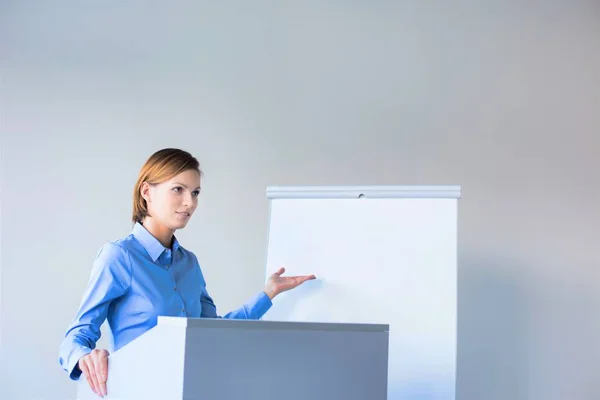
x=94 y=367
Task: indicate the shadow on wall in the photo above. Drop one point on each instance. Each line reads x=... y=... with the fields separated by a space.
x=492 y=349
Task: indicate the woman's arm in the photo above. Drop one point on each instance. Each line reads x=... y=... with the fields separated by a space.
x=110 y=278
x=261 y=303
x=253 y=309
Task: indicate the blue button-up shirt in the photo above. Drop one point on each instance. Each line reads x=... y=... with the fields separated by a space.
x=133 y=281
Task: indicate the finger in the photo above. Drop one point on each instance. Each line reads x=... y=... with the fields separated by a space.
x=86 y=372
x=95 y=376
x=305 y=279
x=280 y=271
x=293 y=281
x=300 y=279
x=104 y=366
x=92 y=374
x=100 y=365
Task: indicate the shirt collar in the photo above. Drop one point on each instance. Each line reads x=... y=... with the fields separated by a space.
x=150 y=243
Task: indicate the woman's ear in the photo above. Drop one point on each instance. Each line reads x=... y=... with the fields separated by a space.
x=145 y=191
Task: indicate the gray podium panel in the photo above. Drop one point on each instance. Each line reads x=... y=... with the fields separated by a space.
x=214 y=359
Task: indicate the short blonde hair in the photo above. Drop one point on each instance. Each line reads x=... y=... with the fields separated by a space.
x=160 y=167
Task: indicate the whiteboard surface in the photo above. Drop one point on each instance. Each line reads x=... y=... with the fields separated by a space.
x=377 y=260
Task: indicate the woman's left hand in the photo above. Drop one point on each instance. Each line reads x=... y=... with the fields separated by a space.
x=277 y=284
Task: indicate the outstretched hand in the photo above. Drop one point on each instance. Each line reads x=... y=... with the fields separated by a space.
x=277 y=284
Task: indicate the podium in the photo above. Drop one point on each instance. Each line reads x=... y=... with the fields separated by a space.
x=214 y=359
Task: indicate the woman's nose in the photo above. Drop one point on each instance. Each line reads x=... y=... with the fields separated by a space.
x=188 y=200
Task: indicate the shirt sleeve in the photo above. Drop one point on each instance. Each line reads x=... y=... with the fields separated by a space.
x=110 y=278
x=253 y=309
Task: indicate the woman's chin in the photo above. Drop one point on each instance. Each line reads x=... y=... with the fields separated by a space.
x=179 y=224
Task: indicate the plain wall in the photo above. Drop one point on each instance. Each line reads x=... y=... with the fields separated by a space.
x=503 y=99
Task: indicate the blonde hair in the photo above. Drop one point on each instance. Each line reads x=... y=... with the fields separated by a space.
x=160 y=167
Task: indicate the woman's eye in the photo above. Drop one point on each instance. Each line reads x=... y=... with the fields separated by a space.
x=177 y=189
x=196 y=193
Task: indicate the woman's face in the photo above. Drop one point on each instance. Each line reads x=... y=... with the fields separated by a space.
x=172 y=203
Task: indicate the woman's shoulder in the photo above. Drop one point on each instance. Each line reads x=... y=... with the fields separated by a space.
x=117 y=246
x=112 y=260
x=116 y=250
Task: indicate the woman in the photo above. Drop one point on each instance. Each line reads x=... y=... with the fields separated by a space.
x=148 y=273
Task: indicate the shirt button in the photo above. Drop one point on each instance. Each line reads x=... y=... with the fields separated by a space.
x=175 y=288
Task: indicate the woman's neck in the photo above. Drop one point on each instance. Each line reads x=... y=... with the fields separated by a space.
x=163 y=234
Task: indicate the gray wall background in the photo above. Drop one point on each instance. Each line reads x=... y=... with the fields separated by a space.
x=503 y=99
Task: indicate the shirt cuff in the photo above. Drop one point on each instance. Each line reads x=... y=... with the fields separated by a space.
x=72 y=366
x=262 y=304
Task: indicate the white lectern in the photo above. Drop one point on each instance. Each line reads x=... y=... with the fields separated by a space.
x=214 y=359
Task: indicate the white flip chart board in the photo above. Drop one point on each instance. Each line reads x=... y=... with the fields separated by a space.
x=381 y=254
